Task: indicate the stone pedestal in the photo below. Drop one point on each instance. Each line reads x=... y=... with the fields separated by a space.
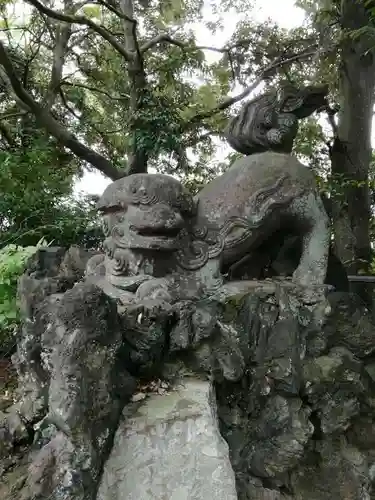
x=170 y=448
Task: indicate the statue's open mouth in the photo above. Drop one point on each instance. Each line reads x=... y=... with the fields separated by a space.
x=164 y=233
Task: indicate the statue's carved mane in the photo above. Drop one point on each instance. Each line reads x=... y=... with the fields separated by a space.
x=205 y=241
x=269 y=122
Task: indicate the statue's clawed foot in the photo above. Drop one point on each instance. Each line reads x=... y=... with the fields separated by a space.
x=309 y=211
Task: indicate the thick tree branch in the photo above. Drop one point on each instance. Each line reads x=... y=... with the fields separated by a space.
x=164 y=37
x=67 y=106
x=63 y=33
x=264 y=73
x=101 y=30
x=130 y=28
x=52 y=126
x=138 y=157
x=7 y=82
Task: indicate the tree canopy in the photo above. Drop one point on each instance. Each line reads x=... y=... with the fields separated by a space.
x=124 y=85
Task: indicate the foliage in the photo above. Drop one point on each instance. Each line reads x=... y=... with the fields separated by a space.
x=143 y=93
x=13 y=260
x=36 y=200
x=113 y=105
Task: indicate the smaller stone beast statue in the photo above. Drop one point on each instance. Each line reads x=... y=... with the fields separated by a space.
x=269 y=122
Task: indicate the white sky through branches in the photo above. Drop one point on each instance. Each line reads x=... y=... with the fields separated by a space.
x=283 y=12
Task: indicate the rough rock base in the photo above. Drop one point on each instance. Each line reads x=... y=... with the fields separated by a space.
x=170 y=448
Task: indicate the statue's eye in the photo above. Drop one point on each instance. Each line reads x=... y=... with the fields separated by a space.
x=133 y=189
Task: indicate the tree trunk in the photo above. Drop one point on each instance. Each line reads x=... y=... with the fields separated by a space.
x=138 y=157
x=351 y=152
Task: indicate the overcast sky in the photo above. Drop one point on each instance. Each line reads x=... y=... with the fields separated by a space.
x=284 y=12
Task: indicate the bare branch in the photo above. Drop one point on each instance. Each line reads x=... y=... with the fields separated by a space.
x=109 y=5
x=16 y=114
x=101 y=30
x=67 y=106
x=99 y=91
x=160 y=39
x=264 y=73
x=48 y=122
x=164 y=37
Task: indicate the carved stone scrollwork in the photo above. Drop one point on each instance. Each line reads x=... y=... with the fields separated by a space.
x=270 y=120
x=119 y=263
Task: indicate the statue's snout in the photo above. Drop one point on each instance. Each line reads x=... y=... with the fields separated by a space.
x=158 y=217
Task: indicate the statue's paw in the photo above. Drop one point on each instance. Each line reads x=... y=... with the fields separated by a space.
x=304 y=278
x=154 y=289
x=144 y=329
x=95 y=265
x=145 y=314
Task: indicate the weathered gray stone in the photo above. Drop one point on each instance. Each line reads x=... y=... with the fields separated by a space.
x=6 y=438
x=253 y=489
x=32 y=377
x=53 y=474
x=270 y=120
x=45 y=262
x=335 y=470
x=170 y=447
x=334 y=385
x=75 y=261
x=279 y=255
x=362 y=433
x=50 y=272
x=282 y=432
x=86 y=387
x=145 y=327
x=350 y=324
x=263 y=418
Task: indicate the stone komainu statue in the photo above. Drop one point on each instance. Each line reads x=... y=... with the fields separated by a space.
x=269 y=122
